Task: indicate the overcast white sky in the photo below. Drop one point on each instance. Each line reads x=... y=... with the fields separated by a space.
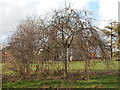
x=12 y=11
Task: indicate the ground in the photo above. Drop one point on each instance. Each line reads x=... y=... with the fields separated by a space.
x=100 y=81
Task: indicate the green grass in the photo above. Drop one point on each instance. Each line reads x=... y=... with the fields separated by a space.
x=72 y=66
x=78 y=65
x=98 y=82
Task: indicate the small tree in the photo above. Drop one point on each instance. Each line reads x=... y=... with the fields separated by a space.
x=26 y=44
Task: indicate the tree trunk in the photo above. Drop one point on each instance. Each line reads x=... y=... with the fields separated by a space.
x=25 y=71
x=37 y=69
x=65 y=61
x=86 y=72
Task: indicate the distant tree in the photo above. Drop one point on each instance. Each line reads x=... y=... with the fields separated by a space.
x=116 y=29
x=112 y=33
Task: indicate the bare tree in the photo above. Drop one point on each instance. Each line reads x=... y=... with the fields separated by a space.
x=69 y=32
x=74 y=29
x=27 y=42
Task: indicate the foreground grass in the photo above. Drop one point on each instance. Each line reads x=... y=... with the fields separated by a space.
x=98 y=82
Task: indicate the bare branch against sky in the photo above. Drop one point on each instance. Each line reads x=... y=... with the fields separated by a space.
x=12 y=11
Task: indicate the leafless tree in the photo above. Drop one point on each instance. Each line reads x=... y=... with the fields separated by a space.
x=73 y=29
x=69 y=33
x=27 y=42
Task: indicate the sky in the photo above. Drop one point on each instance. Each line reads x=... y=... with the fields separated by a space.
x=13 y=11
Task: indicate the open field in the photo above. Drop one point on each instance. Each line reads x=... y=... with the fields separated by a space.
x=72 y=66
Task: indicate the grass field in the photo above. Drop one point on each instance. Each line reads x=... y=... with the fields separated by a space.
x=98 y=82
x=78 y=65
x=72 y=66
x=102 y=81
